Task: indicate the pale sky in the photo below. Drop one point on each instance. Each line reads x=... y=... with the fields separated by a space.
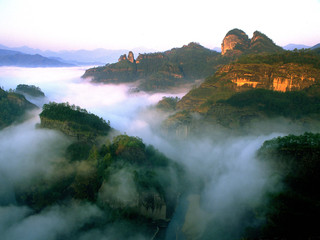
x=159 y=25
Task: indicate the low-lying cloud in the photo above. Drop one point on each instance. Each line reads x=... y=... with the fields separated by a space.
x=223 y=177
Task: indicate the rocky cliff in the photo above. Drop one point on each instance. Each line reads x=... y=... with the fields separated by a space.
x=256 y=87
x=290 y=71
x=237 y=42
x=124 y=57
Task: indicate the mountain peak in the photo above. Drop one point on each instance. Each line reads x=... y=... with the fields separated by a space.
x=261 y=43
x=237 y=42
x=193 y=45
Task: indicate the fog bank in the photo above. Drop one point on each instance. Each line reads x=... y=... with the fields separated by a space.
x=224 y=179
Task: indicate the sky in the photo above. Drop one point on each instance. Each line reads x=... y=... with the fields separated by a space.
x=160 y=25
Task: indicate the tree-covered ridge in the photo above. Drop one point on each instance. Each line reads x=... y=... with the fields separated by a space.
x=260 y=43
x=73 y=120
x=287 y=104
x=12 y=107
x=293 y=211
x=30 y=90
x=302 y=57
x=285 y=71
x=237 y=110
x=161 y=70
x=144 y=173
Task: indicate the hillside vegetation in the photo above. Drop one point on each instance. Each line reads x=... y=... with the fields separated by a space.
x=159 y=71
x=253 y=88
x=292 y=212
x=73 y=121
x=12 y=107
x=30 y=90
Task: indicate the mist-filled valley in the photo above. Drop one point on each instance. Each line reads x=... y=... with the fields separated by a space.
x=141 y=180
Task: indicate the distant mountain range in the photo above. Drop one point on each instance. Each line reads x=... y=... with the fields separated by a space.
x=31 y=57
x=98 y=56
x=15 y=58
x=292 y=46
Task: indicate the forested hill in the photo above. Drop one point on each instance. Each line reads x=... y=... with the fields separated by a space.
x=160 y=70
x=73 y=121
x=12 y=107
x=127 y=179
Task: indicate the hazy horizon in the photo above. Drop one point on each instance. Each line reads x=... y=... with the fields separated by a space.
x=74 y=25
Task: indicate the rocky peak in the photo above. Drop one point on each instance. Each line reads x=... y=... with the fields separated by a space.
x=260 y=42
x=131 y=57
x=236 y=41
x=122 y=57
x=258 y=35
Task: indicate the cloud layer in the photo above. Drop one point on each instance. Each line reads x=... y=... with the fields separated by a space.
x=224 y=179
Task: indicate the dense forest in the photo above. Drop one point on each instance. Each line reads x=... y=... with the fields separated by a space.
x=126 y=178
x=78 y=119
x=303 y=56
x=287 y=104
x=292 y=212
x=12 y=107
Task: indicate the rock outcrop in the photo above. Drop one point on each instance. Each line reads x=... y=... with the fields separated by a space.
x=238 y=77
x=236 y=42
x=122 y=58
x=131 y=57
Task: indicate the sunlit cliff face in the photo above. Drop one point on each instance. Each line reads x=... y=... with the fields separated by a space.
x=235 y=40
x=286 y=77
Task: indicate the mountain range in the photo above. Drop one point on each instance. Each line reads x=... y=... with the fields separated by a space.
x=98 y=56
x=178 y=66
x=260 y=82
x=14 y=58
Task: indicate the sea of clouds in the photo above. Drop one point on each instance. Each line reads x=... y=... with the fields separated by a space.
x=224 y=175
